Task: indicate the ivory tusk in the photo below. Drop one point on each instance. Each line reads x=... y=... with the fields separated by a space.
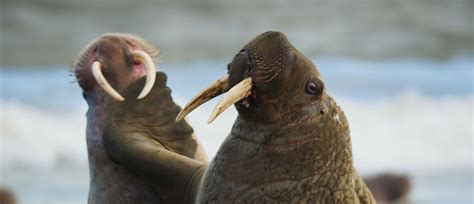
x=235 y=94
x=214 y=89
x=150 y=71
x=99 y=77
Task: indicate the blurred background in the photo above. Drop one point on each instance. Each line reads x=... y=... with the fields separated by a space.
x=402 y=70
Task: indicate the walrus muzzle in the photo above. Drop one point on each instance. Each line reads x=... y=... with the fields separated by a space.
x=138 y=55
x=232 y=95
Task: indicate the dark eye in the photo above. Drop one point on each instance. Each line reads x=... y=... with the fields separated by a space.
x=228 y=66
x=314 y=87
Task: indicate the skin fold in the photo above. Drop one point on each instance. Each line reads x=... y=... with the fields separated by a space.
x=130 y=173
x=143 y=136
x=290 y=142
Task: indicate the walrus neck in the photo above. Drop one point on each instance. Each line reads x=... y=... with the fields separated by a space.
x=324 y=131
x=96 y=114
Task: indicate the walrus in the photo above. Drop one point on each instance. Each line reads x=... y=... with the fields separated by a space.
x=389 y=187
x=109 y=69
x=290 y=142
x=7 y=196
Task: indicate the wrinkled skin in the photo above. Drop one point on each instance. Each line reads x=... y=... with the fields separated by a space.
x=288 y=144
x=123 y=179
x=143 y=136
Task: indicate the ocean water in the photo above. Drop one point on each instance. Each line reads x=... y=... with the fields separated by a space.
x=410 y=116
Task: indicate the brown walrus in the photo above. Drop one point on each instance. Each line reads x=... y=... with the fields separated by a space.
x=389 y=187
x=7 y=196
x=106 y=68
x=290 y=142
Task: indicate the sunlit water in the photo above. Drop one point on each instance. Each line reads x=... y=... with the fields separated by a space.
x=410 y=116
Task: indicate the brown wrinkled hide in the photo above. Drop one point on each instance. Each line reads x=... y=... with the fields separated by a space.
x=154 y=115
x=289 y=146
x=136 y=133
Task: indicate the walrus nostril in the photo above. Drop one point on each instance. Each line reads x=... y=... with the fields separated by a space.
x=150 y=68
x=136 y=62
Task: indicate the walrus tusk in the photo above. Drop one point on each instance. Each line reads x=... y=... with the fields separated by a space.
x=150 y=71
x=99 y=77
x=214 y=89
x=150 y=76
x=236 y=93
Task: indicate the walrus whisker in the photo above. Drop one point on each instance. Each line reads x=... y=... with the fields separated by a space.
x=214 y=89
x=266 y=71
x=276 y=74
x=266 y=76
x=99 y=77
x=150 y=71
x=236 y=93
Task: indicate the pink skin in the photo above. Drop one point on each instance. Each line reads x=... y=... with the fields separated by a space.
x=137 y=72
x=138 y=66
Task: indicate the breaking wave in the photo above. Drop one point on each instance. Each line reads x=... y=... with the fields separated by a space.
x=409 y=132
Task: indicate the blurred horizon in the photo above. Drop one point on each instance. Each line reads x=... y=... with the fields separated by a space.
x=52 y=32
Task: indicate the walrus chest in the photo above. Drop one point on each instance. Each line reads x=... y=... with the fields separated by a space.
x=277 y=173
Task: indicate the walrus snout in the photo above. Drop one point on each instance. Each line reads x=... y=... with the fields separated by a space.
x=260 y=77
x=113 y=61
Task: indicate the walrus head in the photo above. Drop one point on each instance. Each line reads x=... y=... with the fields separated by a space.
x=268 y=80
x=112 y=62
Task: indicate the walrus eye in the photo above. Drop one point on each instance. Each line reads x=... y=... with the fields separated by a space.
x=313 y=87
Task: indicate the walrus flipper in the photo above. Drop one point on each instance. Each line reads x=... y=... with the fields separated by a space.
x=165 y=170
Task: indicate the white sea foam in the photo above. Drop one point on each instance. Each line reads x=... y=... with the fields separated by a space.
x=409 y=132
x=35 y=138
